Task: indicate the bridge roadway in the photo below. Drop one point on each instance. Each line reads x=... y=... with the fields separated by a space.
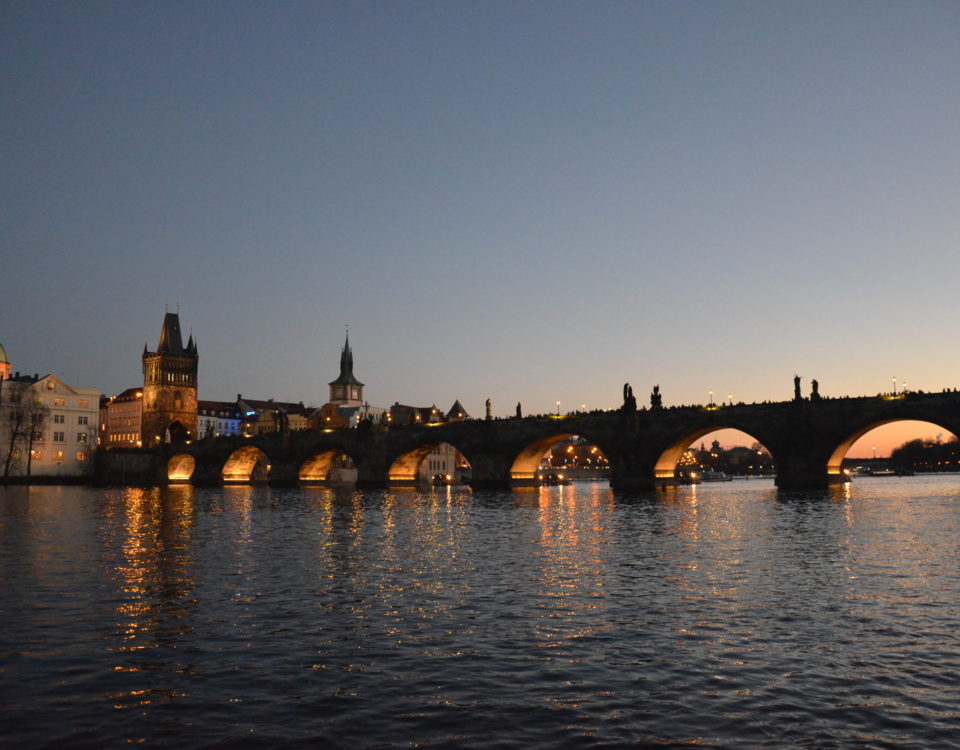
x=807 y=439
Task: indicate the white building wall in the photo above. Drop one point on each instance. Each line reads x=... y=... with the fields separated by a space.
x=69 y=438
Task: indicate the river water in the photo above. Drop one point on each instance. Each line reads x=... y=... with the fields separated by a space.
x=722 y=615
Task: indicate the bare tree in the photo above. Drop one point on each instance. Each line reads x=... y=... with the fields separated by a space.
x=36 y=420
x=89 y=450
x=24 y=417
x=13 y=419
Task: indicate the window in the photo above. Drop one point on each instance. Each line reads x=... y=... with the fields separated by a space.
x=38 y=437
x=81 y=437
x=81 y=456
x=83 y=403
x=58 y=455
x=58 y=437
x=36 y=455
x=58 y=418
x=59 y=402
x=82 y=420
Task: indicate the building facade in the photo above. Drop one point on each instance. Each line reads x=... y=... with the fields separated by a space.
x=217 y=419
x=261 y=417
x=121 y=420
x=47 y=428
x=170 y=387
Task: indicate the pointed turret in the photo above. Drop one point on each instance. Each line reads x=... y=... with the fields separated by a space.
x=346 y=367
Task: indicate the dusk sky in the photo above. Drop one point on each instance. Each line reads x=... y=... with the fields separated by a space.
x=519 y=201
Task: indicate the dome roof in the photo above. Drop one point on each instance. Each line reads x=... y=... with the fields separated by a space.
x=3 y=355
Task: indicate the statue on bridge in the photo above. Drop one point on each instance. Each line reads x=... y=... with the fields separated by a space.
x=815 y=393
x=629 y=400
x=489 y=413
x=656 y=400
x=519 y=413
x=796 y=388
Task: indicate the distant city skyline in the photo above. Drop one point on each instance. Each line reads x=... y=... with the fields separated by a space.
x=527 y=202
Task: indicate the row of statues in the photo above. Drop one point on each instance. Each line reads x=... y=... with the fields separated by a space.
x=656 y=398
x=630 y=401
x=814 y=392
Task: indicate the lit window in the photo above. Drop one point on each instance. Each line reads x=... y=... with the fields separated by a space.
x=59 y=402
x=81 y=456
x=58 y=455
x=83 y=403
x=36 y=455
x=81 y=437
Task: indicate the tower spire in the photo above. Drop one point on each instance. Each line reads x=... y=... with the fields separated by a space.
x=346 y=388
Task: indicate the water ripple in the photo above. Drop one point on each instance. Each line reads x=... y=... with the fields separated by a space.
x=572 y=617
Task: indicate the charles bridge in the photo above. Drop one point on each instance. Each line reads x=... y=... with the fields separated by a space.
x=807 y=438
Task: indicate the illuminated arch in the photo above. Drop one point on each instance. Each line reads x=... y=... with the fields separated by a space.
x=835 y=462
x=665 y=469
x=405 y=468
x=247 y=464
x=318 y=468
x=180 y=468
x=525 y=465
x=524 y=469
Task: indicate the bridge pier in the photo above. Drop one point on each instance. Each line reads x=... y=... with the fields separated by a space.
x=635 y=483
x=806 y=470
x=490 y=483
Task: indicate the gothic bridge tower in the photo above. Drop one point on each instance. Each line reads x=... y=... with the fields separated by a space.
x=169 y=387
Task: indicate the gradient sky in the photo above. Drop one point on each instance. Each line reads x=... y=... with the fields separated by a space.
x=518 y=201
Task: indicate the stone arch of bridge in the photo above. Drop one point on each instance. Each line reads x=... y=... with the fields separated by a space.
x=835 y=462
x=664 y=471
x=246 y=464
x=180 y=467
x=525 y=465
x=405 y=467
x=318 y=467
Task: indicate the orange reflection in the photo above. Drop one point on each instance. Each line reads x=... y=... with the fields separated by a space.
x=155 y=578
x=574 y=523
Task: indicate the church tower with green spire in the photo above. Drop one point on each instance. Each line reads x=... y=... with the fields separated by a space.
x=170 y=387
x=346 y=390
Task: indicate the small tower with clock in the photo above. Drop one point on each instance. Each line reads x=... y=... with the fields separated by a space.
x=346 y=390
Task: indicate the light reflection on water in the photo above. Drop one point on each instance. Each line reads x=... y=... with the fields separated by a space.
x=721 y=615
